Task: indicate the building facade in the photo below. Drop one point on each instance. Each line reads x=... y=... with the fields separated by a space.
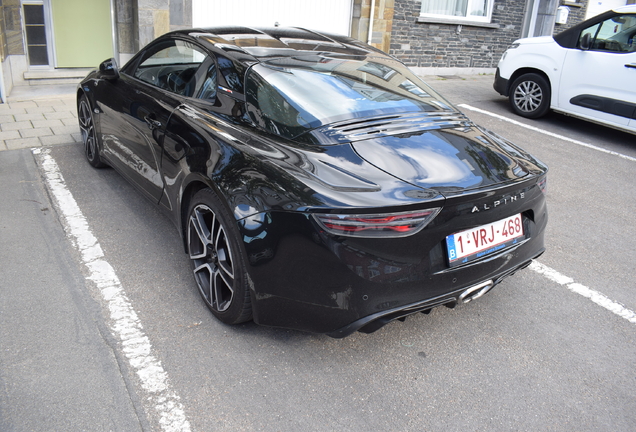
x=46 y=41
x=57 y=41
x=471 y=34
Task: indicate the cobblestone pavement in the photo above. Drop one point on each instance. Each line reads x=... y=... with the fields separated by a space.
x=36 y=120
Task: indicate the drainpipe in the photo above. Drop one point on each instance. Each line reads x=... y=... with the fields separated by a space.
x=3 y=96
x=369 y=36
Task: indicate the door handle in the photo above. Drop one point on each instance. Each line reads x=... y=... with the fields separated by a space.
x=152 y=123
x=631 y=65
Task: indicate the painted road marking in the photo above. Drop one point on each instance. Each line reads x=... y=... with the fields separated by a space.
x=598 y=298
x=552 y=134
x=125 y=324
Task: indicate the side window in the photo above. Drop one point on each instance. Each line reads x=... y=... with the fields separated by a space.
x=208 y=89
x=232 y=72
x=171 y=66
x=613 y=35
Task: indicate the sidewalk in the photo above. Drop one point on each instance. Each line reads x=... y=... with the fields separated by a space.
x=36 y=116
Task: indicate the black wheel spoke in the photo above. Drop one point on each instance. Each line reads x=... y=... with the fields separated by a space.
x=87 y=130
x=209 y=250
x=203 y=275
x=199 y=245
x=223 y=292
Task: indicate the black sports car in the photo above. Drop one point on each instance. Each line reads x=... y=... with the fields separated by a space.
x=317 y=183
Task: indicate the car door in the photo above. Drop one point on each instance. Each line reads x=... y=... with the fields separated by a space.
x=139 y=107
x=598 y=82
x=204 y=129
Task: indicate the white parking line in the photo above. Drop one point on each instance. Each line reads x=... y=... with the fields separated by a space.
x=125 y=324
x=552 y=134
x=595 y=296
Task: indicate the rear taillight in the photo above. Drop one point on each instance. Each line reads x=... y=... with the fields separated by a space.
x=543 y=185
x=376 y=225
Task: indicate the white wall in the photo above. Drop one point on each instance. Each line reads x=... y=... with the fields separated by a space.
x=332 y=16
x=595 y=7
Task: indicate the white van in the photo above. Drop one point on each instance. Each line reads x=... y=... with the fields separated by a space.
x=587 y=71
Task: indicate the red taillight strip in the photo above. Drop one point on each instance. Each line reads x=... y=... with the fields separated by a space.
x=376 y=225
x=543 y=184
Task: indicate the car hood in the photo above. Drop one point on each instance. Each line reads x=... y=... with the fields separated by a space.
x=536 y=40
x=449 y=161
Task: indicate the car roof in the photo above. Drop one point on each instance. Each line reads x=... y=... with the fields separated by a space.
x=257 y=44
x=625 y=9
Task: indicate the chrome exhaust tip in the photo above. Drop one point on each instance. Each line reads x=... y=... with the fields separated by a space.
x=475 y=291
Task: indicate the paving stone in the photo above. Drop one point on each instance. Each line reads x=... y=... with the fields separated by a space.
x=6 y=109
x=22 y=143
x=59 y=115
x=35 y=132
x=2 y=146
x=25 y=117
x=77 y=137
x=60 y=107
x=57 y=139
x=16 y=126
x=42 y=109
x=6 y=119
x=48 y=102
x=48 y=123
x=69 y=122
x=25 y=104
x=9 y=135
x=62 y=130
x=70 y=101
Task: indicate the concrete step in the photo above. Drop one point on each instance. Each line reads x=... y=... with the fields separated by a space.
x=55 y=76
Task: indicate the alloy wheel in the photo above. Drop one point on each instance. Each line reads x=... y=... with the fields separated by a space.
x=528 y=96
x=211 y=255
x=87 y=129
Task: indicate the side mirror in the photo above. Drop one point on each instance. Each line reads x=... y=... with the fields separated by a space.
x=585 y=42
x=108 y=69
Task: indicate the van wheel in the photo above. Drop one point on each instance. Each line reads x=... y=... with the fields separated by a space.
x=530 y=96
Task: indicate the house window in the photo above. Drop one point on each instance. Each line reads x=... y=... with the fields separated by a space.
x=36 y=40
x=461 y=10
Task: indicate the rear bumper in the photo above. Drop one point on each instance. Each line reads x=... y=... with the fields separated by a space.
x=313 y=282
x=374 y=322
x=500 y=84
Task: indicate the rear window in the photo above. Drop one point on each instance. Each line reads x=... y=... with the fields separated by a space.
x=291 y=96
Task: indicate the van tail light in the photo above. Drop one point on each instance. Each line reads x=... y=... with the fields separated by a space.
x=386 y=225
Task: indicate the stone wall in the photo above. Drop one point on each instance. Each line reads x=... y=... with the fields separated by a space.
x=11 y=42
x=428 y=44
x=433 y=44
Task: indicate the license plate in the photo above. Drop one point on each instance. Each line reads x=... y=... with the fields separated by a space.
x=472 y=244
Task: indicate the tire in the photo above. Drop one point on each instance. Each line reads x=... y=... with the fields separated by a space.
x=217 y=259
x=530 y=96
x=89 y=135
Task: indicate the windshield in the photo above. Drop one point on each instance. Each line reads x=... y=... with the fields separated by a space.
x=290 y=96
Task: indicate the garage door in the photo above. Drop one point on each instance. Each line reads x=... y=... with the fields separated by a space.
x=333 y=16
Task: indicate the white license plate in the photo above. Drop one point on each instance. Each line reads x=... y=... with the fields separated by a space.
x=475 y=243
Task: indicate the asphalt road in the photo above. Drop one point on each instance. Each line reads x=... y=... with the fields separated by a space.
x=529 y=355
